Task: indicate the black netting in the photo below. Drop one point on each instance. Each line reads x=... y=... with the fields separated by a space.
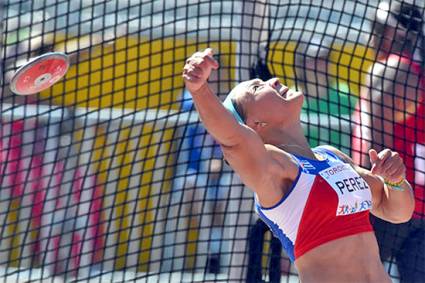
x=109 y=176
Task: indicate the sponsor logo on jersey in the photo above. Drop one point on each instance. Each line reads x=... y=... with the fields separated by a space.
x=307 y=166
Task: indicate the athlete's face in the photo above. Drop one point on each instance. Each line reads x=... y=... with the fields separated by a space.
x=270 y=101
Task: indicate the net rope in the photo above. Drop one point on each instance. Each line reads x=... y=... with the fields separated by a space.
x=109 y=176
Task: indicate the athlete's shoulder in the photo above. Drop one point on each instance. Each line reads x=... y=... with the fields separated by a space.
x=344 y=157
x=279 y=154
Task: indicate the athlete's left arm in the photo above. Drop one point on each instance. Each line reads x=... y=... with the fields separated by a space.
x=393 y=203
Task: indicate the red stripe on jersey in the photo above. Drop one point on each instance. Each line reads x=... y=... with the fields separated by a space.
x=319 y=223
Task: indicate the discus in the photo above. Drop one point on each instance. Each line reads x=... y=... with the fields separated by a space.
x=39 y=73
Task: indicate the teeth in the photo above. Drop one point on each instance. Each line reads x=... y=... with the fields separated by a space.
x=283 y=90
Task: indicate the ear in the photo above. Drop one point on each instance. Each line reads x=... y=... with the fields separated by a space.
x=255 y=123
x=252 y=124
x=258 y=125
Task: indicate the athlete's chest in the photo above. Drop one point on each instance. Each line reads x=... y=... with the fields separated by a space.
x=352 y=191
x=338 y=183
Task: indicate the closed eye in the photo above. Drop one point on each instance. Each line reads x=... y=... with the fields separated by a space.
x=256 y=87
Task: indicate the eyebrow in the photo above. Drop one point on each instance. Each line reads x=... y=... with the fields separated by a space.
x=255 y=82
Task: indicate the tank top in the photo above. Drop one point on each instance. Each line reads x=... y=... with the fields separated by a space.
x=328 y=200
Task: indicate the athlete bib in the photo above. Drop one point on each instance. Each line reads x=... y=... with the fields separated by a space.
x=353 y=192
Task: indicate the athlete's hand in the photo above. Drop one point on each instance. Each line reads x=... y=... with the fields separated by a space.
x=198 y=69
x=387 y=164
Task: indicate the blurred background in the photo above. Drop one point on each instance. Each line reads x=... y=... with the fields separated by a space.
x=109 y=176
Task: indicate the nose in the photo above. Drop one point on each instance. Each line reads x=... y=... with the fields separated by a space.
x=274 y=82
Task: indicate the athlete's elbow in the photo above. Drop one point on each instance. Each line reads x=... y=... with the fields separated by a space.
x=401 y=216
x=231 y=141
x=399 y=220
x=408 y=209
x=395 y=215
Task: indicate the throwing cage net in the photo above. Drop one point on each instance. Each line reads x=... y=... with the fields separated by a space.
x=109 y=176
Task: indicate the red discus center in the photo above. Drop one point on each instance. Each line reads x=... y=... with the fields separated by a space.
x=41 y=75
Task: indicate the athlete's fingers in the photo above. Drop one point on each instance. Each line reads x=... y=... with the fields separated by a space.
x=208 y=51
x=397 y=175
x=192 y=70
x=392 y=168
x=198 y=68
x=204 y=63
x=388 y=156
x=394 y=165
x=393 y=160
x=204 y=57
x=192 y=79
x=194 y=55
x=197 y=72
x=378 y=164
x=210 y=59
x=373 y=156
x=384 y=155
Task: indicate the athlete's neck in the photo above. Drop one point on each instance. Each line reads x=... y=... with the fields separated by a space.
x=291 y=139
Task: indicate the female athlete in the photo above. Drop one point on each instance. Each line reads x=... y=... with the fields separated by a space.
x=316 y=201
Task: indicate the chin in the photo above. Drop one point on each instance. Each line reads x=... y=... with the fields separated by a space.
x=297 y=99
x=292 y=110
x=297 y=104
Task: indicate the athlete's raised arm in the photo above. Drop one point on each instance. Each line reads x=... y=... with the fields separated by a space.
x=242 y=147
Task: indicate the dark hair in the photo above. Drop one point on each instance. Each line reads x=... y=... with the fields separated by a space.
x=399 y=15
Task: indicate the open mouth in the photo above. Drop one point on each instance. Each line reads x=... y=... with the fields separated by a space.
x=283 y=90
